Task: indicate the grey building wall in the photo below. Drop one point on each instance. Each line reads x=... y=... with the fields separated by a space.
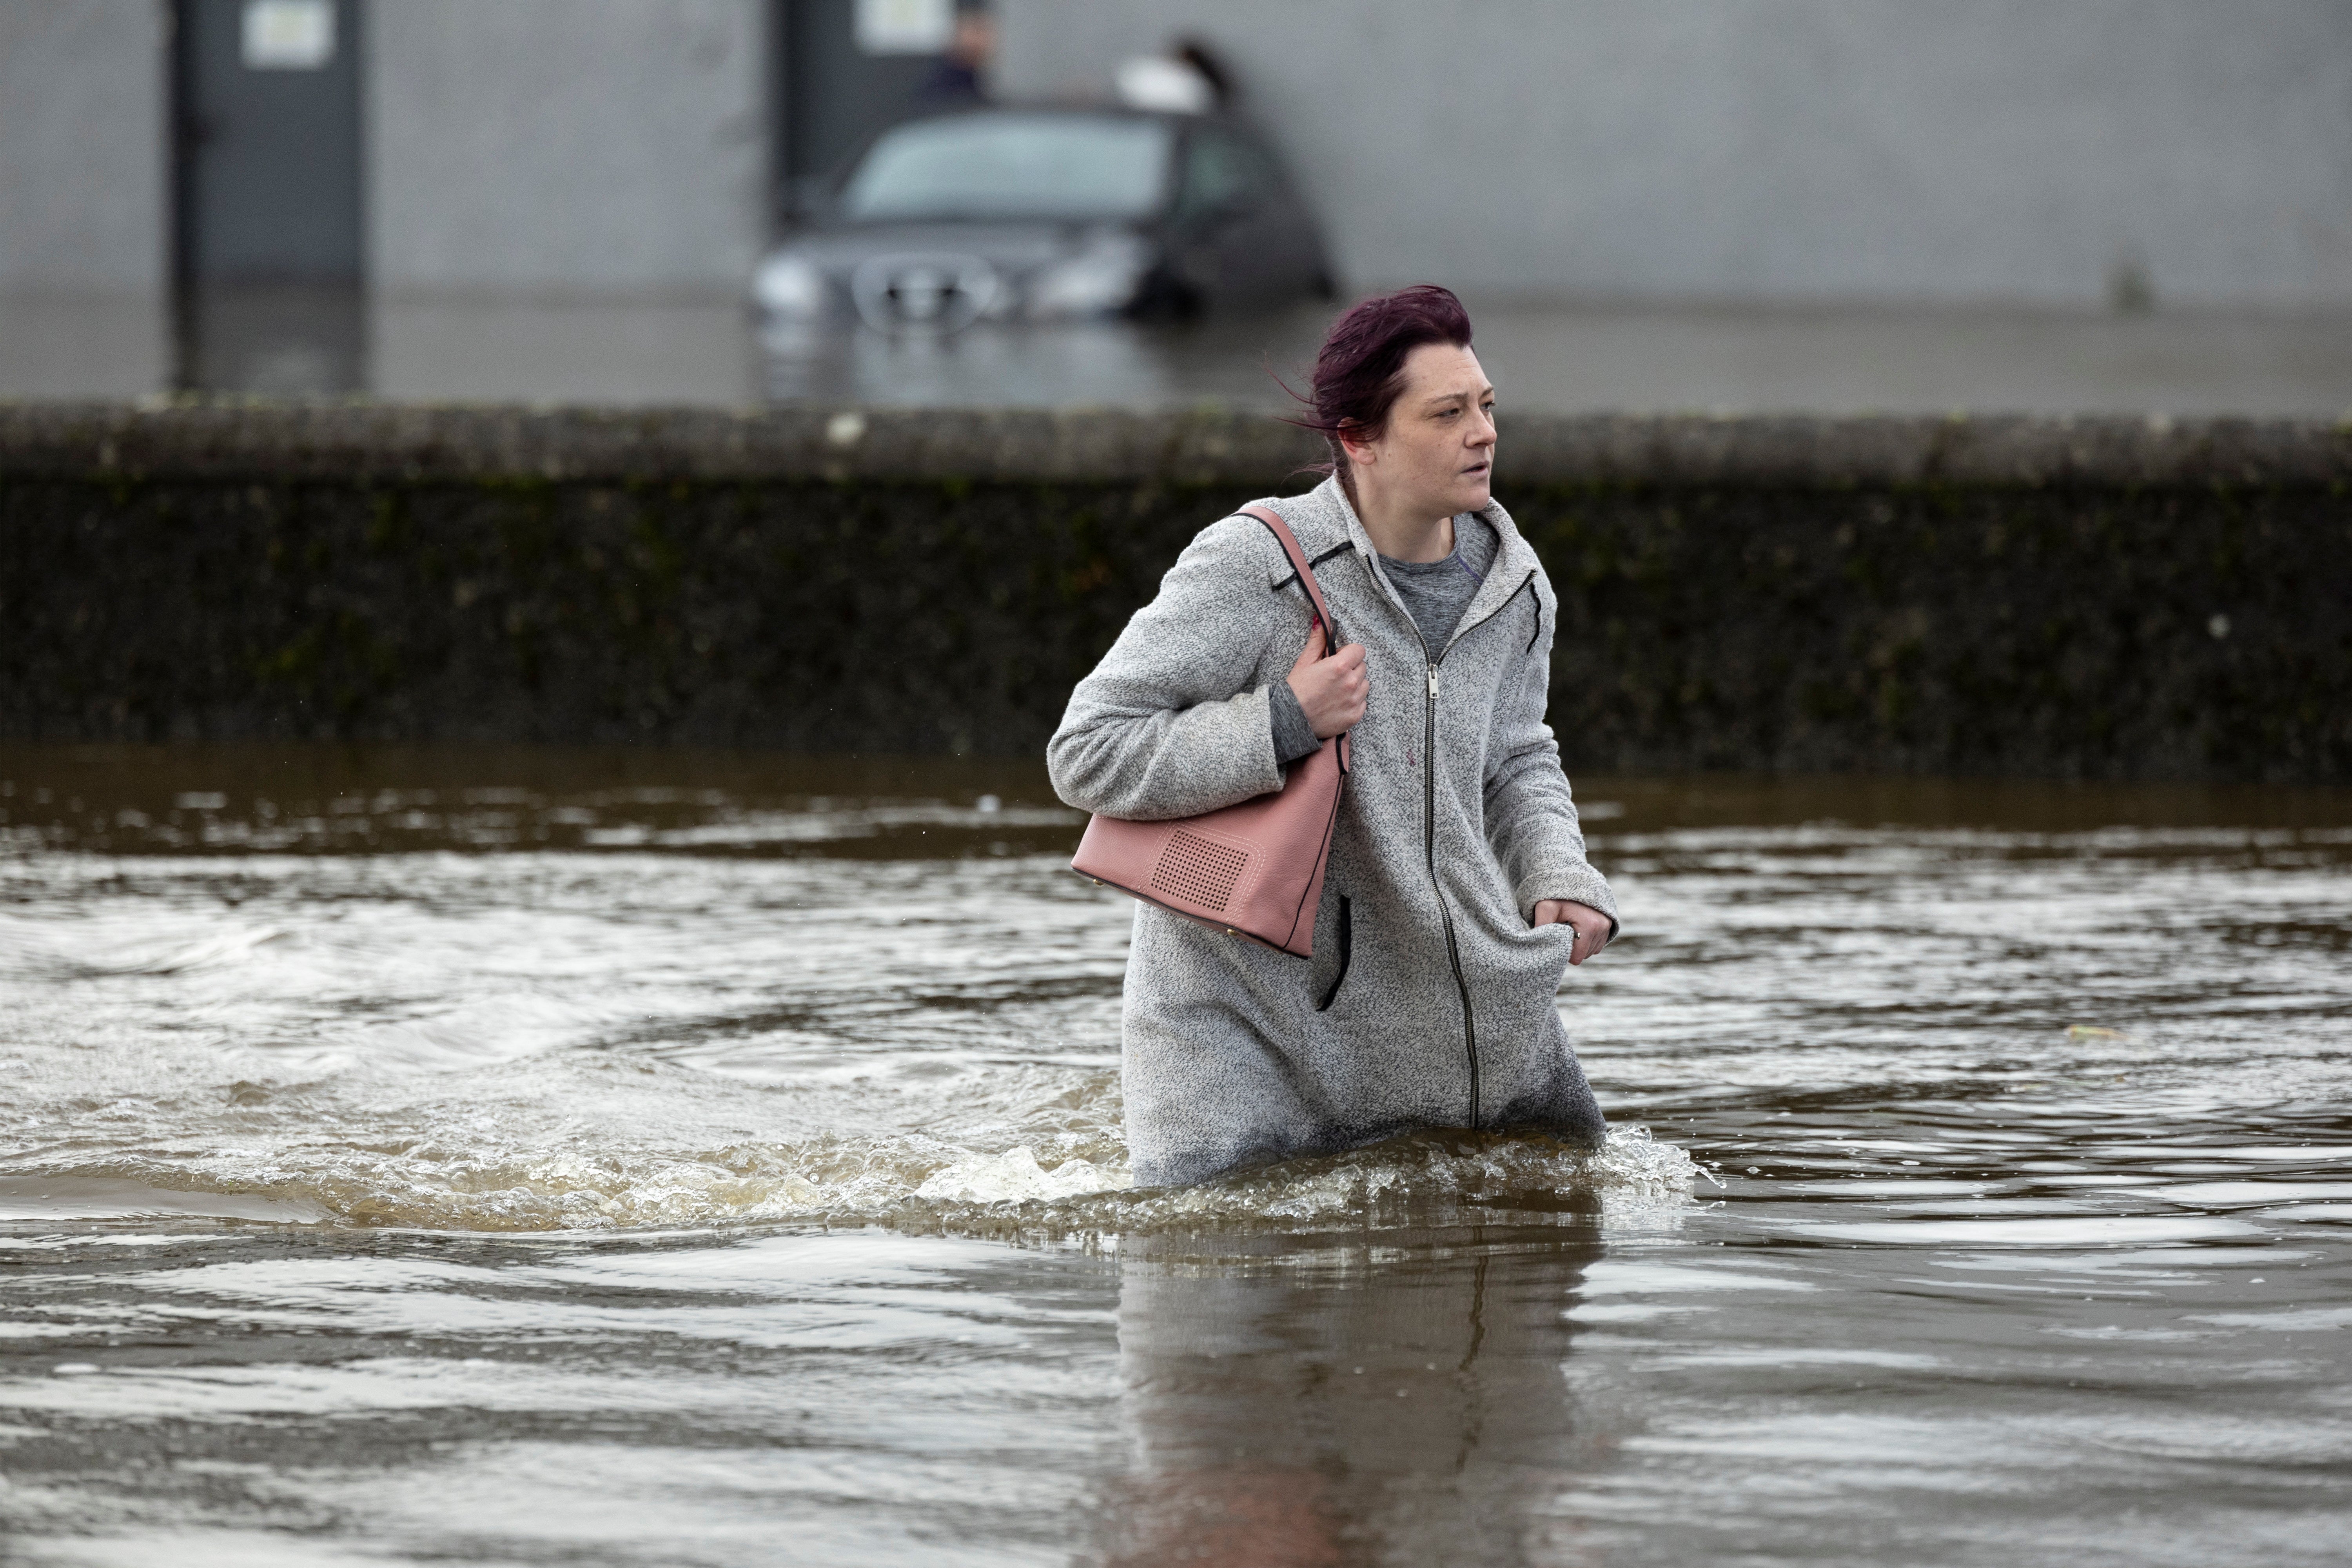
x=84 y=184
x=2017 y=151
x=567 y=146
x=84 y=212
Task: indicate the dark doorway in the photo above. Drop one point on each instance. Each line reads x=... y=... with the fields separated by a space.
x=267 y=193
x=847 y=70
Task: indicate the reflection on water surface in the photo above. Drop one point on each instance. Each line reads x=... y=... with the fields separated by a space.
x=636 y=1157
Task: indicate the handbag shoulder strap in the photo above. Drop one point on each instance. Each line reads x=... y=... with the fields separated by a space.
x=1289 y=542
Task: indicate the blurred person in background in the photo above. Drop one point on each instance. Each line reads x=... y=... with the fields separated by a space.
x=1188 y=79
x=956 y=80
x=1458 y=890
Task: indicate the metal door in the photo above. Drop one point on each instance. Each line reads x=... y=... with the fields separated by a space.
x=267 y=195
x=269 y=141
x=850 y=69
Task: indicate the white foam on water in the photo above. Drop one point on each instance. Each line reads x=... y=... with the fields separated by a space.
x=1015 y=1176
x=134 y=946
x=910 y=1182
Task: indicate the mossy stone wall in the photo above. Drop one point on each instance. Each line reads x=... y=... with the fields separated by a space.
x=2100 y=599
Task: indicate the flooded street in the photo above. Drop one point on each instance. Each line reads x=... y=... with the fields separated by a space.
x=1597 y=356
x=629 y=1157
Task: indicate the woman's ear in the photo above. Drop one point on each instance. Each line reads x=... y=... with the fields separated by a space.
x=1360 y=451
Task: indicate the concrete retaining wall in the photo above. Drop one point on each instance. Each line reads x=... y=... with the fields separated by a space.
x=2088 y=598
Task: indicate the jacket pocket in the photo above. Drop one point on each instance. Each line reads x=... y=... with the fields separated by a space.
x=1347 y=946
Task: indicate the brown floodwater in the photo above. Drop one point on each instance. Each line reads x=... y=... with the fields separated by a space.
x=584 y=1157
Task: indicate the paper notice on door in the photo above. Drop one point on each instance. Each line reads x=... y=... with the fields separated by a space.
x=289 y=34
x=905 y=26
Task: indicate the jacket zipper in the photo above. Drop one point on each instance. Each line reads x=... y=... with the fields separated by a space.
x=1445 y=915
x=1429 y=838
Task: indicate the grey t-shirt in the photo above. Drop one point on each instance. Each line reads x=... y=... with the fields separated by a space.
x=1435 y=593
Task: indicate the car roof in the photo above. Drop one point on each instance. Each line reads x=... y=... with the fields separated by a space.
x=1176 y=122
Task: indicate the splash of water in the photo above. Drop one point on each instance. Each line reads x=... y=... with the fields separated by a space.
x=909 y=1183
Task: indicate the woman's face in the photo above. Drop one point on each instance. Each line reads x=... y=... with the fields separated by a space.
x=1437 y=456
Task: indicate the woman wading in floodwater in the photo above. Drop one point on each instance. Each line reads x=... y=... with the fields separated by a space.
x=1457 y=890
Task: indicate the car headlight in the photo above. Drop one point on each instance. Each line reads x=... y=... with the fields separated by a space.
x=789 y=285
x=1099 y=279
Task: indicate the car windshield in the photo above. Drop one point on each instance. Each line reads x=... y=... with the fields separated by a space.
x=1012 y=166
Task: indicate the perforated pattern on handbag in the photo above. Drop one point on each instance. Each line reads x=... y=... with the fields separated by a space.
x=1198 y=871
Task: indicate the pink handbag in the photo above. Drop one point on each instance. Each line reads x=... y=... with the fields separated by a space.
x=1254 y=869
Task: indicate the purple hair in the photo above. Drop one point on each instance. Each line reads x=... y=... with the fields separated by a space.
x=1360 y=372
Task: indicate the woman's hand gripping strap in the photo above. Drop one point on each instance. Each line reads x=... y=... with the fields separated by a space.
x=1319 y=612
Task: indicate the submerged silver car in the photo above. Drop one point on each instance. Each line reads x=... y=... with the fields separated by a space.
x=1048 y=214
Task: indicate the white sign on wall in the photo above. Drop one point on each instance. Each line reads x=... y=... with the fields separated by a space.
x=289 y=34
x=905 y=26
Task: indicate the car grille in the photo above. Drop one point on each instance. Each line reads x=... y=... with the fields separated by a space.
x=923 y=292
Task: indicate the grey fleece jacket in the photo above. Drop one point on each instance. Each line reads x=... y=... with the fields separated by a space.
x=1430 y=1001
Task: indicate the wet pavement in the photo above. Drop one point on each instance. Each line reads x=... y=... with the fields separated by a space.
x=1623 y=358
x=632 y=1157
